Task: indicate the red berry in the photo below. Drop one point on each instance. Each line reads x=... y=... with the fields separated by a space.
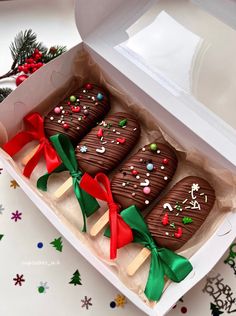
x=20 y=68
x=88 y=86
x=65 y=126
x=25 y=69
x=39 y=64
x=20 y=79
x=134 y=172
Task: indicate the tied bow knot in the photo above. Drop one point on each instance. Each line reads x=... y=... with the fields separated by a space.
x=66 y=152
x=100 y=188
x=34 y=130
x=163 y=261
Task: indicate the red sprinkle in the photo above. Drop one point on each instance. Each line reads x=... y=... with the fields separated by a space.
x=65 y=126
x=179 y=232
x=121 y=140
x=88 y=86
x=75 y=109
x=100 y=133
x=134 y=172
x=165 y=219
x=165 y=161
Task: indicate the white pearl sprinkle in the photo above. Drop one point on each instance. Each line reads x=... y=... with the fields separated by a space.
x=146 y=202
x=123 y=184
x=51 y=118
x=59 y=121
x=88 y=96
x=162 y=167
x=133 y=194
x=79 y=119
x=113 y=130
x=143 y=149
x=61 y=107
x=138 y=177
x=77 y=127
x=62 y=116
x=158 y=151
x=93 y=98
x=167 y=234
x=84 y=91
x=84 y=107
x=117 y=143
x=165 y=178
x=131 y=167
x=63 y=112
x=63 y=122
x=147 y=174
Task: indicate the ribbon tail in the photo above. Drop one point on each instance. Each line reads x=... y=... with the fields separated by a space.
x=155 y=282
x=90 y=203
x=78 y=195
x=31 y=164
x=114 y=232
x=17 y=142
x=42 y=182
x=176 y=267
x=124 y=235
x=51 y=157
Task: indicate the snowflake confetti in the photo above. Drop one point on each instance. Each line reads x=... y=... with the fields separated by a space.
x=83 y=149
x=16 y=216
x=86 y=302
x=195 y=187
x=120 y=300
x=19 y=279
x=1 y=208
x=43 y=287
x=14 y=184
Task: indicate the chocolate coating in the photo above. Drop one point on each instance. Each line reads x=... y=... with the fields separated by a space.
x=128 y=187
x=107 y=144
x=169 y=230
x=78 y=116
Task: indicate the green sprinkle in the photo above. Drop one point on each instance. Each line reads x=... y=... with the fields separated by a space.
x=172 y=225
x=187 y=220
x=153 y=147
x=123 y=122
x=72 y=98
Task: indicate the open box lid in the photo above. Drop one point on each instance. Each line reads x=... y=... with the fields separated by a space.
x=177 y=53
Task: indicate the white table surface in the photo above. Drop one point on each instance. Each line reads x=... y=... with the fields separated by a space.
x=53 y=21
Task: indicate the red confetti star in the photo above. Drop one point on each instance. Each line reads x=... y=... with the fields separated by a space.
x=19 y=279
x=16 y=216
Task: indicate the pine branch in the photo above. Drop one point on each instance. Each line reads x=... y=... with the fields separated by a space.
x=4 y=92
x=53 y=52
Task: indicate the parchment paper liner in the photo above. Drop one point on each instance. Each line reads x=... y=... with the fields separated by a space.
x=191 y=162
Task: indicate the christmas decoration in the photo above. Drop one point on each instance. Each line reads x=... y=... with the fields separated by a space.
x=57 y=243
x=29 y=55
x=19 y=279
x=75 y=279
x=86 y=302
x=1 y=236
x=215 y=310
x=20 y=79
x=16 y=216
x=43 y=287
x=4 y=92
x=14 y=184
x=120 y=300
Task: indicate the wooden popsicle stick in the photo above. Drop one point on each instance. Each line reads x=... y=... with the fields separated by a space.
x=138 y=261
x=29 y=155
x=63 y=188
x=100 y=224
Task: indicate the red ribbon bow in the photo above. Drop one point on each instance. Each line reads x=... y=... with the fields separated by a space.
x=34 y=130
x=121 y=233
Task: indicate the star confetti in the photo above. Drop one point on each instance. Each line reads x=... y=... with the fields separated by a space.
x=1 y=208
x=1 y=236
x=19 y=279
x=120 y=300
x=16 y=216
x=14 y=184
x=57 y=243
x=43 y=287
x=86 y=302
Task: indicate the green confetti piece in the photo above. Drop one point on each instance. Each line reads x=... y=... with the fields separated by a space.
x=57 y=243
x=123 y=122
x=1 y=236
x=76 y=278
x=187 y=220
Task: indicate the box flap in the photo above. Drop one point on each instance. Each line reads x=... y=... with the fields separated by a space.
x=171 y=48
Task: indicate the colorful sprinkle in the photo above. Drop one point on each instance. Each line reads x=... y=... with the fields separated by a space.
x=187 y=220
x=153 y=147
x=40 y=245
x=66 y=126
x=83 y=149
x=99 y=96
x=146 y=190
x=100 y=133
x=72 y=98
x=101 y=150
x=123 y=123
x=121 y=140
x=179 y=232
x=57 y=110
x=43 y=287
x=150 y=166
x=165 y=219
x=88 y=86
x=165 y=161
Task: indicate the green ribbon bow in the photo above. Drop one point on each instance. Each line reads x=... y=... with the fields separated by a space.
x=163 y=261
x=66 y=152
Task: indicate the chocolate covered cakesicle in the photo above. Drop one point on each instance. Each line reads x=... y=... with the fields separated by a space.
x=177 y=217
x=181 y=212
x=78 y=113
x=142 y=178
x=108 y=143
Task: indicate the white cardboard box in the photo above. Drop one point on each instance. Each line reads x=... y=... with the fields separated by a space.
x=103 y=26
